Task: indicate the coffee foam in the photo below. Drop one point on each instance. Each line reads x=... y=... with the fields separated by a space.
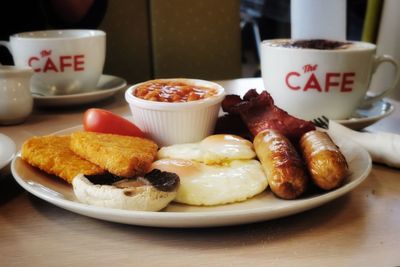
x=318 y=44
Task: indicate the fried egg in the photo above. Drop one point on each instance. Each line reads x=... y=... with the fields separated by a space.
x=214 y=149
x=202 y=184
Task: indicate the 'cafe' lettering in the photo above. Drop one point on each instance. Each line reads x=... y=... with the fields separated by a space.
x=333 y=80
x=60 y=64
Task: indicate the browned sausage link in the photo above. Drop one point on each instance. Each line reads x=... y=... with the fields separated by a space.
x=326 y=164
x=282 y=165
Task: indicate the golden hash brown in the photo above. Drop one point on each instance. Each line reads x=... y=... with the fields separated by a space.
x=52 y=154
x=124 y=156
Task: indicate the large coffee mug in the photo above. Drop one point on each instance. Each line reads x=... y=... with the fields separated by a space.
x=311 y=78
x=64 y=61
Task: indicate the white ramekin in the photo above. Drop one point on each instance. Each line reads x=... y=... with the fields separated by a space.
x=176 y=123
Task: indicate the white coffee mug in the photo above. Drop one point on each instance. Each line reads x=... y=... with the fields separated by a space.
x=64 y=61
x=309 y=82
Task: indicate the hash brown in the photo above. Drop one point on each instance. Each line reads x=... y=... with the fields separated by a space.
x=52 y=154
x=123 y=156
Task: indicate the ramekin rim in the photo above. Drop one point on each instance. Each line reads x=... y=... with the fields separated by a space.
x=131 y=99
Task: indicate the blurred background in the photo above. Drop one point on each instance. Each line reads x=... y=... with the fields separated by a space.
x=375 y=21
x=204 y=39
x=270 y=19
x=208 y=39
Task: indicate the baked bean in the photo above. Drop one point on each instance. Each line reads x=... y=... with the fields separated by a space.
x=173 y=91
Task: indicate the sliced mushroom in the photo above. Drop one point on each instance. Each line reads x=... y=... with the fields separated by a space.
x=152 y=192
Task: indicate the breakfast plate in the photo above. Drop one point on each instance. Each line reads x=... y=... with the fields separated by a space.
x=107 y=86
x=263 y=207
x=364 y=117
x=7 y=152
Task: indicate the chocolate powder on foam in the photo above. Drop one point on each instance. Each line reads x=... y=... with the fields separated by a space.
x=320 y=44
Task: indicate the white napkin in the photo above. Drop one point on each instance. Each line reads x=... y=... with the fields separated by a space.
x=383 y=147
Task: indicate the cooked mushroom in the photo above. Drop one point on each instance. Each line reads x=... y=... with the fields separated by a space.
x=152 y=192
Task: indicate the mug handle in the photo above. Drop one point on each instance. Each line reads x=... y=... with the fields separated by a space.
x=370 y=99
x=6 y=44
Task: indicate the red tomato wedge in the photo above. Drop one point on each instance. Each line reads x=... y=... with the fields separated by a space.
x=104 y=121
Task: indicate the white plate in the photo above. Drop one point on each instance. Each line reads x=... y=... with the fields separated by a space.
x=262 y=207
x=367 y=116
x=108 y=85
x=7 y=152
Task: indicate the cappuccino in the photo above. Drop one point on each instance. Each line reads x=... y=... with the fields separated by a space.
x=311 y=78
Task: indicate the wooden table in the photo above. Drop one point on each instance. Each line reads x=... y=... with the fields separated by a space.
x=360 y=229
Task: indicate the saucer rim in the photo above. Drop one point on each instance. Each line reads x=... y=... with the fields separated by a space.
x=94 y=92
x=369 y=120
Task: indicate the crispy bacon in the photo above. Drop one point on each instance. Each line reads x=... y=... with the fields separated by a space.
x=259 y=113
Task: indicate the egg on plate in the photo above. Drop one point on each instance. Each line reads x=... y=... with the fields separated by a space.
x=220 y=169
x=214 y=149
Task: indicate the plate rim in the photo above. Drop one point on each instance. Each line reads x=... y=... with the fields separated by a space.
x=190 y=218
x=327 y=196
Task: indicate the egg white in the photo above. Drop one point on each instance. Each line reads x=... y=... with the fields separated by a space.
x=202 y=184
x=214 y=149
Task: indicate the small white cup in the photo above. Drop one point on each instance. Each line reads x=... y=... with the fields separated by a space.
x=16 y=102
x=309 y=82
x=176 y=123
x=64 y=61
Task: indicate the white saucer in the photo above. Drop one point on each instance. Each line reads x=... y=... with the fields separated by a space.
x=366 y=116
x=7 y=152
x=108 y=85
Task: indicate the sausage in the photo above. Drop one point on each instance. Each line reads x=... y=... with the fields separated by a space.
x=326 y=164
x=283 y=166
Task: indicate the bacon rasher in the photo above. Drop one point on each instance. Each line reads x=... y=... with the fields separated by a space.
x=259 y=113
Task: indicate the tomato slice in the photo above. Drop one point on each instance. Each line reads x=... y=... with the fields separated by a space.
x=104 y=121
